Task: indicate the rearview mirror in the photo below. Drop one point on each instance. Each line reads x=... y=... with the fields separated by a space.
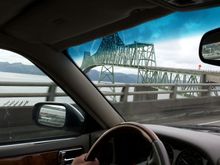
x=209 y=49
x=58 y=115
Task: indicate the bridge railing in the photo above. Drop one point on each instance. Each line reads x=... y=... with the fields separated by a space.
x=20 y=93
x=28 y=93
x=146 y=92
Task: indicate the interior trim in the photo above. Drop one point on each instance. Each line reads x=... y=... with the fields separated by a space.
x=42 y=146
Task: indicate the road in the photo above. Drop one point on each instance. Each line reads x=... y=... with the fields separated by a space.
x=181 y=117
x=202 y=120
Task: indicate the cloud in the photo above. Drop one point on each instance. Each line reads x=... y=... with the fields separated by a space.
x=176 y=25
x=181 y=53
x=12 y=57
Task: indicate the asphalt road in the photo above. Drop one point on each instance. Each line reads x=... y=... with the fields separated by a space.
x=202 y=120
x=194 y=117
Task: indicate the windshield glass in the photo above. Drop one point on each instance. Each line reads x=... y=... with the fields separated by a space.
x=152 y=73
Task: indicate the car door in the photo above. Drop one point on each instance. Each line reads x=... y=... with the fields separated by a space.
x=22 y=140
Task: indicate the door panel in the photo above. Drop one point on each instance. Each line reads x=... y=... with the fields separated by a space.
x=45 y=158
x=64 y=157
x=44 y=146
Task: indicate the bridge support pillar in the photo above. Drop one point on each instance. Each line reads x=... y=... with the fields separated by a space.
x=203 y=78
x=146 y=96
x=51 y=93
x=107 y=75
x=124 y=98
x=174 y=94
x=208 y=93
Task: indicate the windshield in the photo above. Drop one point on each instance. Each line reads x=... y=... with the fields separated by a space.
x=152 y=73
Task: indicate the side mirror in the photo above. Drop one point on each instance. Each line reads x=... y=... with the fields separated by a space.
x=209 y=49
x=57 y=115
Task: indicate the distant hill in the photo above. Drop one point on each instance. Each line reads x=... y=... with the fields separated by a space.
x=119 y=77
x=93 y=74
x=19 y=68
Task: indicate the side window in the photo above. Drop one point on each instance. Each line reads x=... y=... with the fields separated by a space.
x=22 y=85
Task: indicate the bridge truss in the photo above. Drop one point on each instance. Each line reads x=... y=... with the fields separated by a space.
x=113 y=52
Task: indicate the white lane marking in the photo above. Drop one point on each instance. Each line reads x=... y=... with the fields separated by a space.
x=212 y=122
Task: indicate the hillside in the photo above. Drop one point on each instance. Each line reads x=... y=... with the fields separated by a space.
x=93 y=74
x=119 y=77
x=19 y=68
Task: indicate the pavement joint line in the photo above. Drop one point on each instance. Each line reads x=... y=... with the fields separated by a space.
x=196 y=113
x=212 y=122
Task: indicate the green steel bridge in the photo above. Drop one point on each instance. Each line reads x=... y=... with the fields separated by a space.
x=113 y=52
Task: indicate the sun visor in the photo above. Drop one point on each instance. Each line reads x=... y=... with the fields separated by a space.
x=53 y=21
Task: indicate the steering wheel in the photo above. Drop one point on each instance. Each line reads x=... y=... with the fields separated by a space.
x=158 y=152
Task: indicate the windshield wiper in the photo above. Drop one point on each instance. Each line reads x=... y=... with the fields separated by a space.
x=208 y=128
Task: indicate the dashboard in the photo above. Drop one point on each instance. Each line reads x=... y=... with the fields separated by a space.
x=184 y=147
x=185 y=155
x=188 y=147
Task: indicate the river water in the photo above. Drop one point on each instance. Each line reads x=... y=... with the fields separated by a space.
x=17 y=77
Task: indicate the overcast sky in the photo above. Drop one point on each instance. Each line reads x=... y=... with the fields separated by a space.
x=11 y=57
x=181 y=53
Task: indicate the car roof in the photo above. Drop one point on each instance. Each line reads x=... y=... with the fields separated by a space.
x=61 y=24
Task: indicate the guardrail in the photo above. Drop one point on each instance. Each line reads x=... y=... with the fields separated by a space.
x=114 y=92
x=152 y=91
x=50 y=94
x=46 y=90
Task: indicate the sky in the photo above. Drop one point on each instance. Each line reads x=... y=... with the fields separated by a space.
x=176 y=38
x=12 y=57
x=181 y=53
